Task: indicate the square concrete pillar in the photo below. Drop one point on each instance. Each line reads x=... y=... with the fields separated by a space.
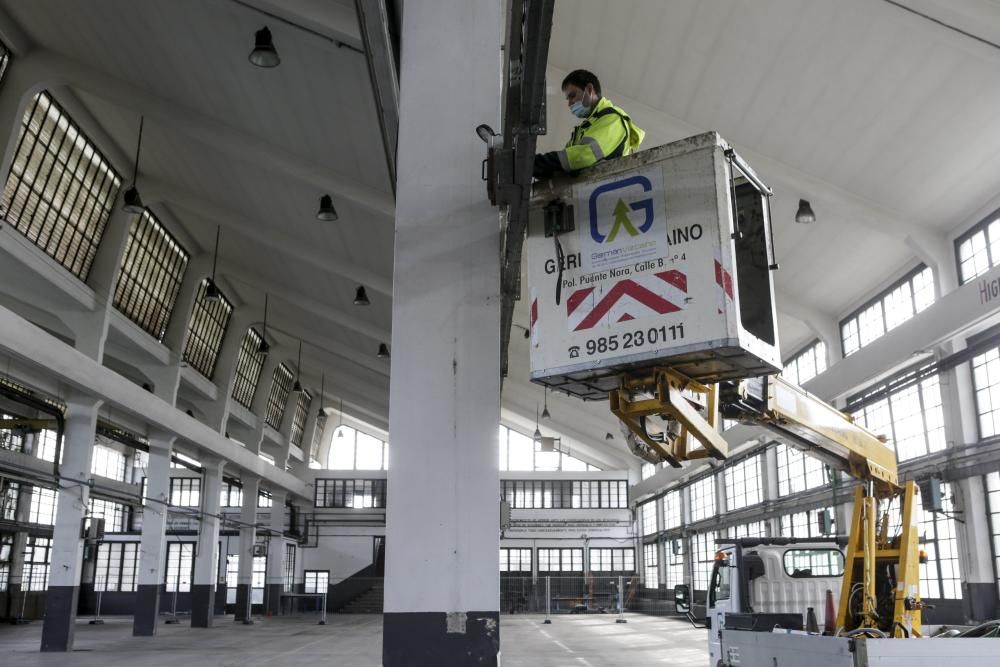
x=153 y=546
x=205 y=562
x=248 y=537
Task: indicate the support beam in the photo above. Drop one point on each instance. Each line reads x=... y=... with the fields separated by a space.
x=380 y=52
x=71 y=506
x=275 y=574
x=445 y=385
x=153 y=546
x=248 y=537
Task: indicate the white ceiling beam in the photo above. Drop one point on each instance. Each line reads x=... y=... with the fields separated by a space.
x=332 y=18
x=822 y=324
x=54 y=69
x=363 y=361
x=155 y=190
x=16 y=39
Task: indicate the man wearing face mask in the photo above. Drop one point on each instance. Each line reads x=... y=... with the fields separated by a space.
x=606 y=131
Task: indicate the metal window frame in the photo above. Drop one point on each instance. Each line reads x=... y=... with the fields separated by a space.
x=88 y=176
x=177 y=546
x=206 y=329
x=185 y=488
x=879 y=297
x=302 y=405
x=249 y=365
x=150 y=275
x=981 y=226
x=277 y=397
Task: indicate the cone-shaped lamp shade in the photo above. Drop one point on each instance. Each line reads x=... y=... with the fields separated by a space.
x=608 y=436
x=383 y=351
x=264 y=348
x=361 y=296
x=133 y=202
x=264 y=54
x=297 y=387
x=805 y=213
x=326 y=212
x=212 y=292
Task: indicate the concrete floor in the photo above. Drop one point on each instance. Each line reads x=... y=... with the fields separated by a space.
x=356 y=640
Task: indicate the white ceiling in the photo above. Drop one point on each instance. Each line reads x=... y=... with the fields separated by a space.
x=884 y=120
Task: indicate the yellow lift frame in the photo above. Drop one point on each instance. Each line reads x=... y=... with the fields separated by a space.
x=813 y=426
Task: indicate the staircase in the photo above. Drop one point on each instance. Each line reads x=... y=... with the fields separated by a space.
x=369 y=602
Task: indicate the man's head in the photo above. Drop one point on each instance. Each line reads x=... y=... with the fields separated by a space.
x=582 y=91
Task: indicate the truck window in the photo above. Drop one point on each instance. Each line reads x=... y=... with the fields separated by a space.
x=720 y=586
x=806 y=563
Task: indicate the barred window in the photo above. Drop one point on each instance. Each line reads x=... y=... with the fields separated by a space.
x=257 y=578
x=807 y=364
x=248 y=367
x=515 y=560
x=37 y=556
x=992 y=481
x=895 y=305
x=206 y=329
x=117 y=564
x=115 y=515
x=560 y=560
x=4 y=60
x=150 y=278
x=671 y=504
x=185 y=491
x=647 y=470
x=231 y=495
x=60 y=189
x=316 y=581
x=9 y=492
x=108 y=462
x=6 y=554
x=908 y=411
x=565 y=494
x=648 y=514
x=986 y=382
x=940 y=576
x=180 y=567
x=673 y=568
x=752 y=529
x=43 y=506
x=264 y=499
x=978 y=249
x=302 y=404
x=281 y=385
x=797 y=471
x=612 y=560
x=651 y=565
x=353 y=450
x=702 y=495
x=354 y=493
x=519 y=452
x=702 y=558
x=804 y=524
x=744 y=484
x=11 y=439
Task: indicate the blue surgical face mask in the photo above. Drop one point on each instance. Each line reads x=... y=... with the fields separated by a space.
x=579 y=110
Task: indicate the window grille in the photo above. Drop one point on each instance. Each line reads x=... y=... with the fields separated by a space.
x=302 y=404
x=281 y=385
x=60 y=189
x=248 y=367
x=206 y=329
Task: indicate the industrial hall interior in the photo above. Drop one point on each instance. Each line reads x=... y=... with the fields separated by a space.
x=500 y=332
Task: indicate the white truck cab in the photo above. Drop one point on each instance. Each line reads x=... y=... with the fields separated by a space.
x=759 y=584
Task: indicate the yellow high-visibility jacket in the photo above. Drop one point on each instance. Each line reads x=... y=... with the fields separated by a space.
x=607 y=133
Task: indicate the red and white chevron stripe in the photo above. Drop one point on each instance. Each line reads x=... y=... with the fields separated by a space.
x=628 y=299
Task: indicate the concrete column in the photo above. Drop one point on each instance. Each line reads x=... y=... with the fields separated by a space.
x=443 y=518
x=90 y=328
x=275 y=578
x=153 y=547
x=248 y=535
x=205 y=574
x=979 y=593
x=769 y=477
x=309 y=433
x=217 y=412
x=71 y=504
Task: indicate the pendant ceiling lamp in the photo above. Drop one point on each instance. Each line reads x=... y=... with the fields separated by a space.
x=133 y=202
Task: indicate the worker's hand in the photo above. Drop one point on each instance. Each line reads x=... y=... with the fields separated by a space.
x=546 y=164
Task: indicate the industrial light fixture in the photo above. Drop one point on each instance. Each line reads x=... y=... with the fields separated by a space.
x=264 y=54
x=383 y=351
x=340 y=431
x=361 y=296
x=263 y=349
x=608 y=436
x=212 y=292
x=486 y=133
x=805 y=213
x=545 y=412
x=326 y=212
x=133 y=202
x=297 y=387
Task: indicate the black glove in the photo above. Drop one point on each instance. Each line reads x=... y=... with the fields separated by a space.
x=546 y=164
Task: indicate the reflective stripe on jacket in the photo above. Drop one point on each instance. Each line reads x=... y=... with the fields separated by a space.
x=607 y=133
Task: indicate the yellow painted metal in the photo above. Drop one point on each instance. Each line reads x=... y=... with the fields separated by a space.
x=863 y=454
x=691 y=404
x=869 y=605
x=854 y=549
x=907 y=608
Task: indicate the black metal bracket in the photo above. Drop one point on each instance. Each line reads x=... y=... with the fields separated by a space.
x=559 y=218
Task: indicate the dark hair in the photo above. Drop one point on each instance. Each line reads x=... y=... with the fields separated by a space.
x=580 y=78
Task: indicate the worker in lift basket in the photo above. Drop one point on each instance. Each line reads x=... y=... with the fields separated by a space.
x=606 y=131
